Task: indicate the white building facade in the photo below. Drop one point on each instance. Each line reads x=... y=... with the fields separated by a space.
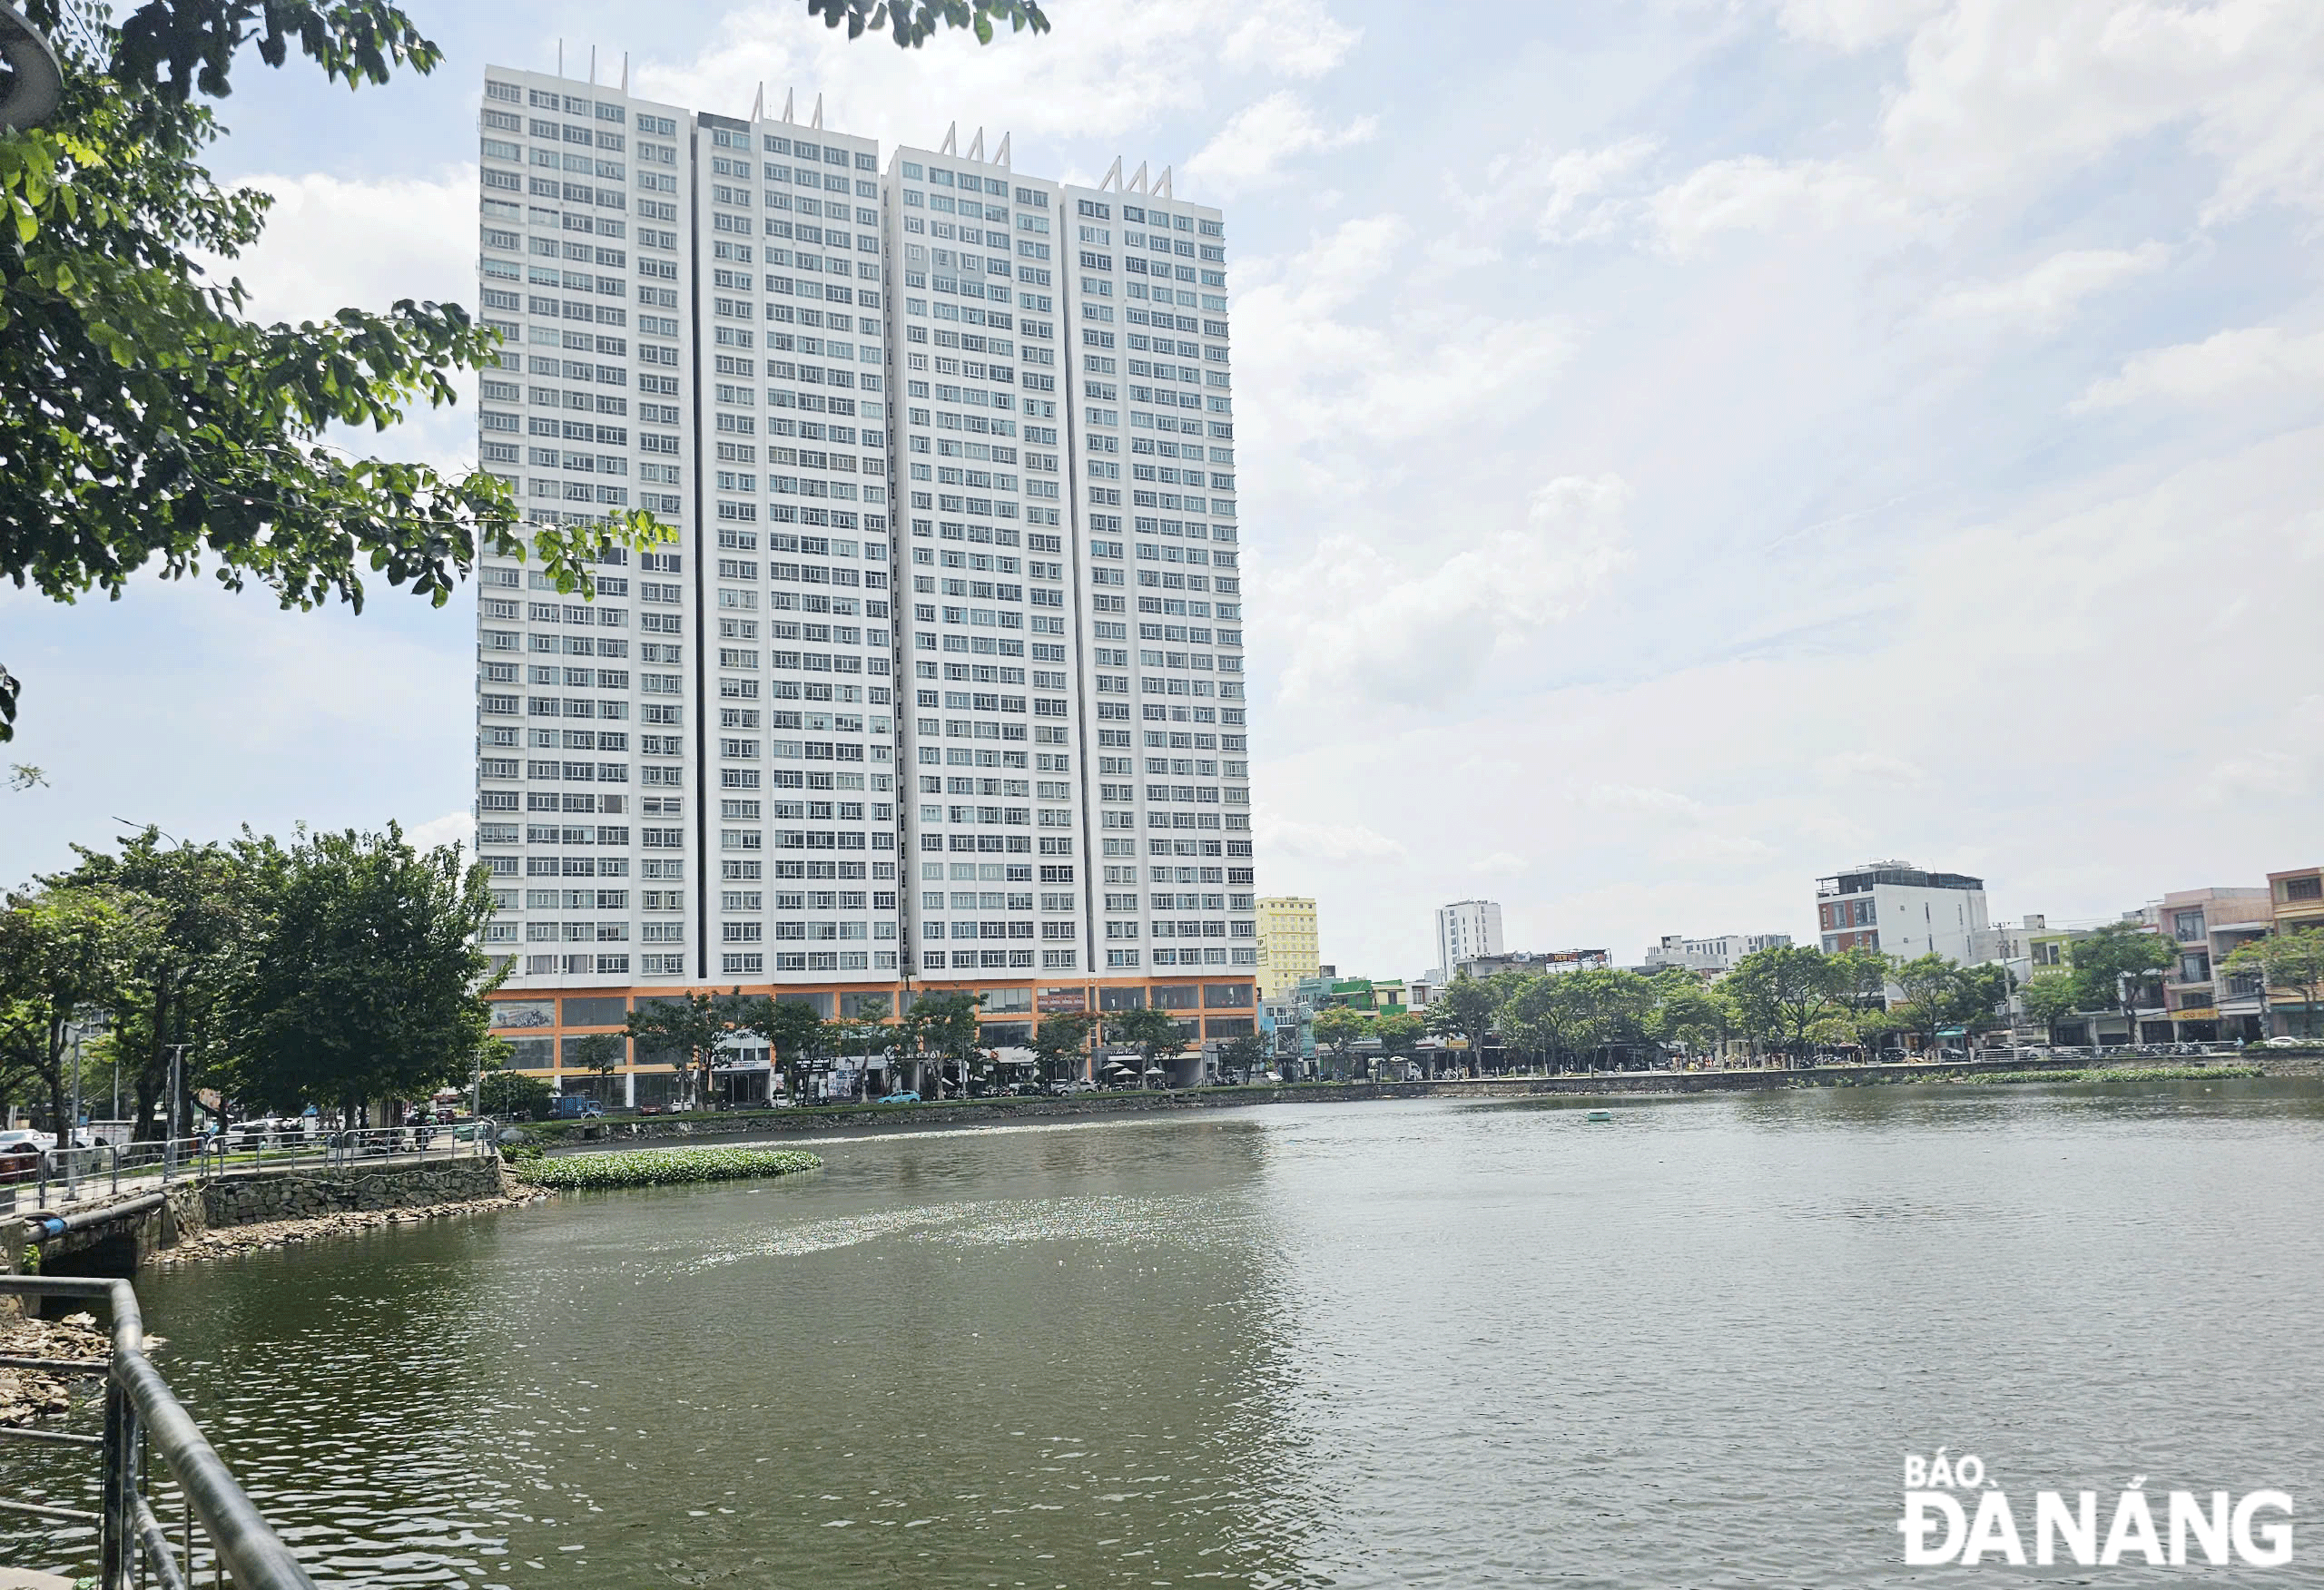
x=1466 y=929
x=1900 y=910
x=1716 y=954
x=943 y=679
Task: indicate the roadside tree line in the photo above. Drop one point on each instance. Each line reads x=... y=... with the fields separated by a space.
x=333 y=969
x=938 y=1036
x=1792 y=1000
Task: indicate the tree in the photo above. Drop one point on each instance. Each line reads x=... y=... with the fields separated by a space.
x=2050 y=996
x=2113 y=965
x=1931 y=983
x=1465 y=1010
x=911 y=22
x=143 y=418
x=362 y=976
x=1243 y=1055
x=1336 y=1029
x=1618 y=1007
x=1156 y=1034
x=1859 y=979
x=1554 y=1016
x=2288 y=960
x=599 y=1054
x=1981 y=998
x=1400 y=1031
x=687 y=1030
x=943 y=1027
x=1060 y=1041
x=63 y=952
x=203 y=901
x=862 y=1037
x=512 y=1093
x=795 y=1033
x=1781 y=995
x=1687 y=1015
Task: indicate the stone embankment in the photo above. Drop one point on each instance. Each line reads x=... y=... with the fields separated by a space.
x=251 y=1210
x=312 y=1194
x=224 y=1241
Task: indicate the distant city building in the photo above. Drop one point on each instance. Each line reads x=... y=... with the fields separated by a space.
x=1481 y=966
x=1288 y=944
x=1711 y=954
x=2205 y=926
x=2295 y=900
x=1464 y=929
x=1899 y=910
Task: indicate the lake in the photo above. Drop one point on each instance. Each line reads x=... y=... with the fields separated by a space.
x=1377 y=1344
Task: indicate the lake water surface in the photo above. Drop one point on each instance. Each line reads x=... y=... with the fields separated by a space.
x=1378 y=1344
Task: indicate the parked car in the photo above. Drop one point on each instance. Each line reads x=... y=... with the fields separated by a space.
x=20 y=1154
x=905 y=1097
x=574 y=1107
x=269 y=1131
x=2289 y=1043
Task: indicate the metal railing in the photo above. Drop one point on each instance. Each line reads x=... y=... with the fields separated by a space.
x=66 y=1175
x=141 y=1418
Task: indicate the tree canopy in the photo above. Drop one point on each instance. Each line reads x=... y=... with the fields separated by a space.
x=362 y=977
x=911 y=23
x=144 y=419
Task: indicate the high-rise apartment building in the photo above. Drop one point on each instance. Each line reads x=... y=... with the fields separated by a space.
x=1288 y=944
x=937 y=439
x=1465 y=930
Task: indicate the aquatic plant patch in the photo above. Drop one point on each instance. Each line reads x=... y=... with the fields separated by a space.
x=661 y=1167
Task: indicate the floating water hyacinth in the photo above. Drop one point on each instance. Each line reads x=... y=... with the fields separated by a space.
x=2125 y=1073
x=661 y=1167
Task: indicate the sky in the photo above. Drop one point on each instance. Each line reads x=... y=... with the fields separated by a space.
x=1687 y=447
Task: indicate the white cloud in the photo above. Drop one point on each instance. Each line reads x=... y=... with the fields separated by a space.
x=1871 y=767
x=1855 y=25
x=454 y=827
x=1298 y=38
x=1108 y=68
x=2046 y=296
x=1322 y=842
x=1251 y=150
x=2261 y=359
x=1320 y=359
x=1641 y=798
x=1754 y=193
x=1369 y=629
x=1561 y=196
x=2008 y=94
x=1500 y=863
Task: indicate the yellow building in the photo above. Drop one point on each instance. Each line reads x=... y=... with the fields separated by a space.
x=1287 y=944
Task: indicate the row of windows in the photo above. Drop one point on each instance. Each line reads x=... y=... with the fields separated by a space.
x=752 y=965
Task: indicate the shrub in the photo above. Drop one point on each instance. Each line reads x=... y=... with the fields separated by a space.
x=661 y=1167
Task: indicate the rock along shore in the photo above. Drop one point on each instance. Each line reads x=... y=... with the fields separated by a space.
x=224 y=1241
x=26 y=1395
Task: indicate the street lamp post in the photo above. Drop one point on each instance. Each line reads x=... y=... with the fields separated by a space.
x=177 y=1072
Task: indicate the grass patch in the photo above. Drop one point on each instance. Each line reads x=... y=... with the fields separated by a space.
x=661 y=1167
x=2122 y=1073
